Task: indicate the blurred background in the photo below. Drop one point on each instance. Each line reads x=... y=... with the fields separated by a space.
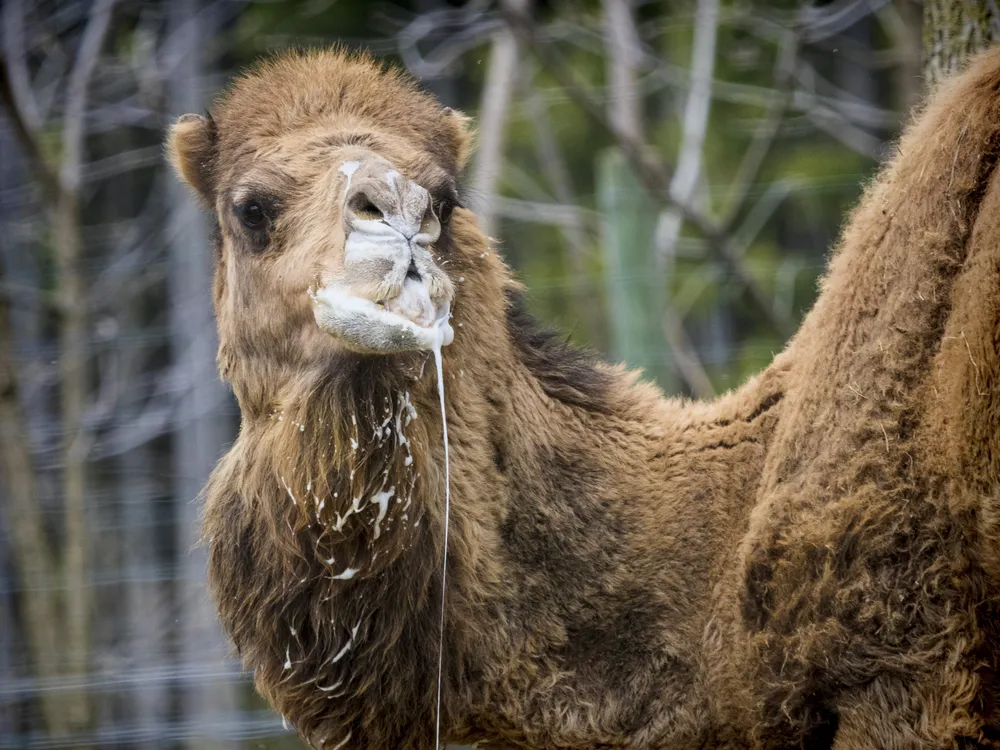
x=667 y=177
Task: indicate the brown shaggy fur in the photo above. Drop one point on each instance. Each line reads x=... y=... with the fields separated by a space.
x=810 y=561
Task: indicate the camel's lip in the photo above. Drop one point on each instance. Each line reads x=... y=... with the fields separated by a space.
x=382 y=304
x=376 y=316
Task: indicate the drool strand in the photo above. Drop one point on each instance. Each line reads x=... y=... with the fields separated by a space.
x=447 y=513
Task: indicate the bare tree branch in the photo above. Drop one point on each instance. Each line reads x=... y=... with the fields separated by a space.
x=685 y=357
x=74 y=116
x=73 y=359
x=661 y=72
x=15 y=109
x=12 y=19
x=649 y=170
x=856 y=139
x=746 y=232
x=699 y=100
x=494 y=110
x=622 y=45
x=835 y=18
x=766 y=132
x=61 y=194
x=560 y=215
x=122 y=162
x=652 y=174
x=458 y=29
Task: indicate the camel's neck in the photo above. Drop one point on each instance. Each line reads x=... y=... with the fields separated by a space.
x=326 y=524
x=592 y=519
x=565 y=595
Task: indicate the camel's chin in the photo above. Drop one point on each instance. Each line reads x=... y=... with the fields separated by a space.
x=414 y=304
x=405 y=324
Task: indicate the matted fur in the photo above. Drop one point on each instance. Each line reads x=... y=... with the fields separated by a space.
x=810 y=561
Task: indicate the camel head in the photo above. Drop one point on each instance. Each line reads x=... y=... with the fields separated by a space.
x=333 y=181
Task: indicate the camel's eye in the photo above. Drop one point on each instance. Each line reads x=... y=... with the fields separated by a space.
x=445 y=209
x=252 y=215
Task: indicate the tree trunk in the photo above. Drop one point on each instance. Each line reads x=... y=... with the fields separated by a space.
x=73 y=362
x=953 y=31
x=32 y=550
x=200 y=431
x=144 y=618
x=65 y=641
x=633 y=285
x=73 y=398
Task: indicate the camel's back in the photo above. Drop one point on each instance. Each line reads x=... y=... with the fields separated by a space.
x=862 y=557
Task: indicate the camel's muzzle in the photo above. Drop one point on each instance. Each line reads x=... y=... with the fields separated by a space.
x=393 y=296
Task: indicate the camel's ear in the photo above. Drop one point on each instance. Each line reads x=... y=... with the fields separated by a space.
x=191 y=147
x=461 y=126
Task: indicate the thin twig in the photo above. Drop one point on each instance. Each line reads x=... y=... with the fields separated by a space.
x=76 y=94
x=766 y=132
x=688 y=363
x=25 y=133
x=564 y=216
x=12 y=19
x=122 y=162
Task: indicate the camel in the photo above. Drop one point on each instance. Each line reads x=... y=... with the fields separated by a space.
x=809 y=561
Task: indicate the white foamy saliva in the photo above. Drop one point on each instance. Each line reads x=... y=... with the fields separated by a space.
x=331 y=306
x=447 y=509
x=382 y=498
x=414 y=303
x=349 y=168
x=340 y=654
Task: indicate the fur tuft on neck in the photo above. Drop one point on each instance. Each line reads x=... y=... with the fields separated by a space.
x=309 y=520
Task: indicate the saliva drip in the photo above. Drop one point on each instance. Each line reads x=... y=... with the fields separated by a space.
x=441 y=330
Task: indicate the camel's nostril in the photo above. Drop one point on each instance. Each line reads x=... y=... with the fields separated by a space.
x=364 y=208
x=429 y=223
